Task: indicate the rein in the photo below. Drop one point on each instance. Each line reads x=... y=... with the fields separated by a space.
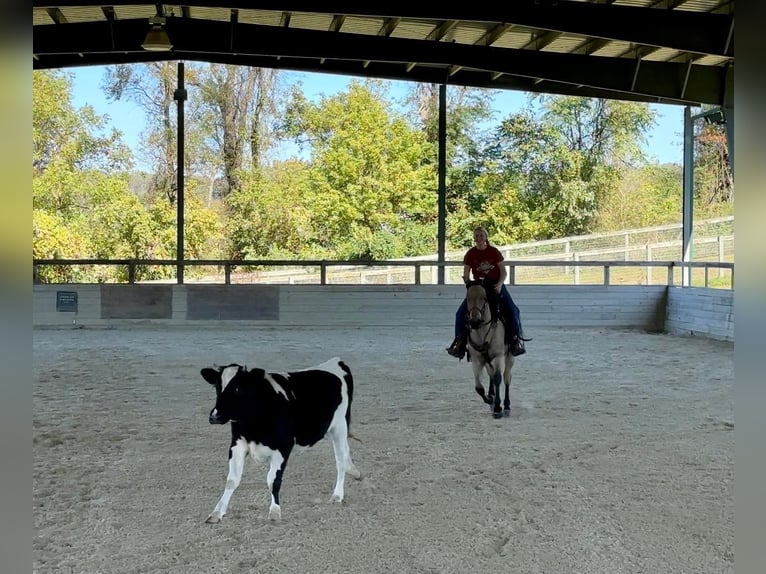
x=488 y=336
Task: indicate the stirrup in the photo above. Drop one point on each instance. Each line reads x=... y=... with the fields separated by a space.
x=455 y=349
x=517 y=348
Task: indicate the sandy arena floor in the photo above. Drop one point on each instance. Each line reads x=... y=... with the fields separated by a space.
x=618 y=457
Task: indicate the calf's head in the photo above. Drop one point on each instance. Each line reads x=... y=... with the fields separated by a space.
x=232 y=384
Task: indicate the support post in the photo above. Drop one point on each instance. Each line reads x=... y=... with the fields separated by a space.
x=180 y=97
x=442 y=184
x=688 y=197
x=728 y=115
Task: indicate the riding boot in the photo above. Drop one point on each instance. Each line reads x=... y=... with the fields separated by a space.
x=457 y=348
x=517 y=346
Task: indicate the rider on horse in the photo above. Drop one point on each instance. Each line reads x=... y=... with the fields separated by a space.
x=485 y=262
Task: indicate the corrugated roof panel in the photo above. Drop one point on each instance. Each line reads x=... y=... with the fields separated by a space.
x=307 y=21
x=687 y=6
x=413 y=29
x=662 y=55
x=469 y=33
x=614 y=48
x=712 y=61
x=698 y=5
x=355 y=25
x=77 y=14
x=634 y=3
x=514 y=38
x=217 y=14
x=564 y=44
x=131 y=12
x=41 y=17
x=262 y=17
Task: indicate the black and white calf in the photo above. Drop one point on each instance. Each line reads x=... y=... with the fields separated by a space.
x=272 y=412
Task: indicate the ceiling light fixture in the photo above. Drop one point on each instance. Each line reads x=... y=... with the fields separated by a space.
x=157 y=38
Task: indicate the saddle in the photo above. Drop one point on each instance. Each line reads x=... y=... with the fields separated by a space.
x=515 y=341
x=493 y=300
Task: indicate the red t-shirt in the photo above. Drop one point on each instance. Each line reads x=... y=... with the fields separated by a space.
x=484 y=262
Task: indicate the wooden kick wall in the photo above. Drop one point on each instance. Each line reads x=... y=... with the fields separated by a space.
x=654 y=308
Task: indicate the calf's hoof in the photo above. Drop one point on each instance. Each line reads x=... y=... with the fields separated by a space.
x=275 y=512
x=213 y=519
x=353 y=471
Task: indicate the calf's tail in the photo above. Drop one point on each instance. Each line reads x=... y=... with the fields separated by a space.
x=353 y=436
x=350 y=386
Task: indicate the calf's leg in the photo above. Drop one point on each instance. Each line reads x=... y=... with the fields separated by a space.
x=237 y=455
x=343 y=462
x=277 y=465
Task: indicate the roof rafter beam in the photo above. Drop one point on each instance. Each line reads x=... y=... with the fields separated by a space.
x=667 y=4
x=590 y=46
x=440 y=31
x=389 y=26
x=657 y=79
x=376 y=69
x=57 y=16
x=687 y=31
x=491 y=36
x=541 y=41
x=337 y=23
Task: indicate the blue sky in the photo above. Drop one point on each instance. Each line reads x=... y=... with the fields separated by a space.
x=664 y=142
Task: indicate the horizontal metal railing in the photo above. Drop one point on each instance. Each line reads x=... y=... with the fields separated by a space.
x=323 y=266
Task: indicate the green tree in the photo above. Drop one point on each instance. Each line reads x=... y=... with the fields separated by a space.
x=151 y=86
x=604 y=132
x=713 y=180
x=237 y=103
x=270 y=215
x=543 y=172
x=82 y=204
x=645 y=196
x=370 y=186
x=466 y=110
x=73 y=137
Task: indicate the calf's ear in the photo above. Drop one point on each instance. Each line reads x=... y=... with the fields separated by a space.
x=212 y=376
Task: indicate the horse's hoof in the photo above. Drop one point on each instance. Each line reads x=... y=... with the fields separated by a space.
x=497 y=415
x=506 y=412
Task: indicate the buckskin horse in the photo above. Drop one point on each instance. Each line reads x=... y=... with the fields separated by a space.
x=487 y=347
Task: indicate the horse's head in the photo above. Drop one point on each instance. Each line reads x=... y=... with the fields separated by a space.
x=478 y=305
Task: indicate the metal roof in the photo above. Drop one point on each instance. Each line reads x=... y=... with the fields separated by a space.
x=664 y=51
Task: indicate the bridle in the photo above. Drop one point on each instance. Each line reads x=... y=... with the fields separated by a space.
x=492 y=322
x=481 y=310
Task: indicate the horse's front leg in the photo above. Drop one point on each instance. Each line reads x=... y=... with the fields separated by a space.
x=477 y=368
x=507 y=380
x=497 y=410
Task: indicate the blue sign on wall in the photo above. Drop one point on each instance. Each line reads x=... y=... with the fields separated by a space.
x=66 y=301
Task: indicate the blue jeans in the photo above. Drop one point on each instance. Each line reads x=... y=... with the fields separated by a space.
x=510 y=309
